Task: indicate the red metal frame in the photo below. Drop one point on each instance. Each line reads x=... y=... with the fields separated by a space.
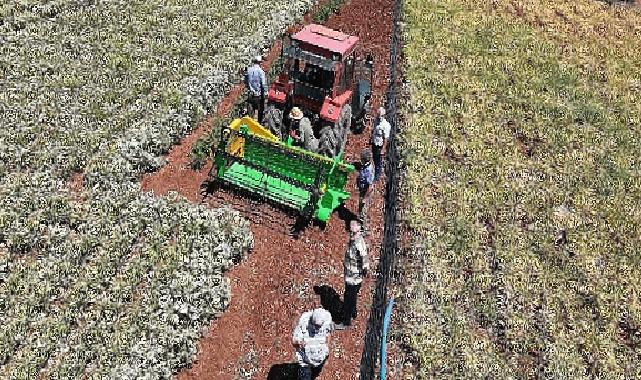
x=280 y=89
x=308 y=104
x=331 y=108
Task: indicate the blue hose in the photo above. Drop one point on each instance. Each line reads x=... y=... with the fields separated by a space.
x=388 y=315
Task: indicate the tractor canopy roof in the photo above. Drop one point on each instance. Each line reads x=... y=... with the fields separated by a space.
x=329 y=39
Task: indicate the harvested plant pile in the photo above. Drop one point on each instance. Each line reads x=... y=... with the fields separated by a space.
x=523 y=170
x=103 y=280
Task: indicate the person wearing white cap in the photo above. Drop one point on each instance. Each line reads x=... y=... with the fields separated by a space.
x=256 y=83
x=380 y=136
x=311 y=339
x=356 y=266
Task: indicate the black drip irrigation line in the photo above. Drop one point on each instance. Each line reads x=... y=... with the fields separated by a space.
x=373 y=334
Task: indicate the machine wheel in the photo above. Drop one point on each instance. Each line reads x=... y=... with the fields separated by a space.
x=333 y=137
x=359 y=120
x=273 y=120
x=343 y=125
x=328 y=142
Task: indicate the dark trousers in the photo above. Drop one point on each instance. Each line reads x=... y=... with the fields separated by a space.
x=363 y=207
x=377 y=157
x=349 y=305
x=309 y=372
x=256 y=103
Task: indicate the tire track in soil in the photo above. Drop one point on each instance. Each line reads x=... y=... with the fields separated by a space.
x=274 y=284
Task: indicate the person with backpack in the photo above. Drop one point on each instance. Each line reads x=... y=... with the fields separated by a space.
x=311 y=340
x=380 y=135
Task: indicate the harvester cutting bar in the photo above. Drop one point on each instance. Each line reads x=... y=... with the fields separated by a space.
x=251 y=158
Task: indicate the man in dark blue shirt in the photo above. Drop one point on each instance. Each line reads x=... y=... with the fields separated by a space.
x=364 y=183
x=257 y=88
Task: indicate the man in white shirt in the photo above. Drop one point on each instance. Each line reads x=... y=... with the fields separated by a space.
x=380 y=135
x=311 y=340
x=256 y=83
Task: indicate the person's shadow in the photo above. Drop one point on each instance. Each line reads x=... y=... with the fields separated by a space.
x=346 y=215
x=330 y=301
x=283 y=371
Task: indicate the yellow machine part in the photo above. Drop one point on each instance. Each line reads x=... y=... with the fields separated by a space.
x=236 y=146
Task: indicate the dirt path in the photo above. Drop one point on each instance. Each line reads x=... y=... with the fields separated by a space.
x=282 y=276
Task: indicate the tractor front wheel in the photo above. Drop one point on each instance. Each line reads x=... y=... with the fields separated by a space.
x=333 y=138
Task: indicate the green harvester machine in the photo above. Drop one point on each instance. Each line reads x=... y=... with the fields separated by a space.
x=251 y=158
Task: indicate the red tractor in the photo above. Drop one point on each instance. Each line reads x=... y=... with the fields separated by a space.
x=322 y=76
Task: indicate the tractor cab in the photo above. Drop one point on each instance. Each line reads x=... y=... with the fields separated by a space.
x=323 y=76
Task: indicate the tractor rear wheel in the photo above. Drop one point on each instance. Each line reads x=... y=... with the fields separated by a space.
x=344 y=125
x=328 y=143
x=273 y=120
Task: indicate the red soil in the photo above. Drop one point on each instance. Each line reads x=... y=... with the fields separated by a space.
x=274 y=285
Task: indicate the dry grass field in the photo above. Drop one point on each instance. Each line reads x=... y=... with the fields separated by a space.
x=523 y=188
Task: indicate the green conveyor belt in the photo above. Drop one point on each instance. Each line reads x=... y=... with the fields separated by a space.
x=269 y=187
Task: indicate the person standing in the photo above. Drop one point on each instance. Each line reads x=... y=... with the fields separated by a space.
x=356 y=266
x=311 y=340
x=380 y=136
x=364 y=183
x=256 y=83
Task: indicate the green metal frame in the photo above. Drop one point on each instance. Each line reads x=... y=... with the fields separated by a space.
x=290 y=176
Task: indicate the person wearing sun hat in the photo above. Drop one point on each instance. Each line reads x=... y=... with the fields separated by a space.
x=296 y=114
x=301 y=130
x=256 y=84
x=311 y=340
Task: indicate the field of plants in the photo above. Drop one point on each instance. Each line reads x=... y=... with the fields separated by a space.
x=523 y=189
x=96 y=278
